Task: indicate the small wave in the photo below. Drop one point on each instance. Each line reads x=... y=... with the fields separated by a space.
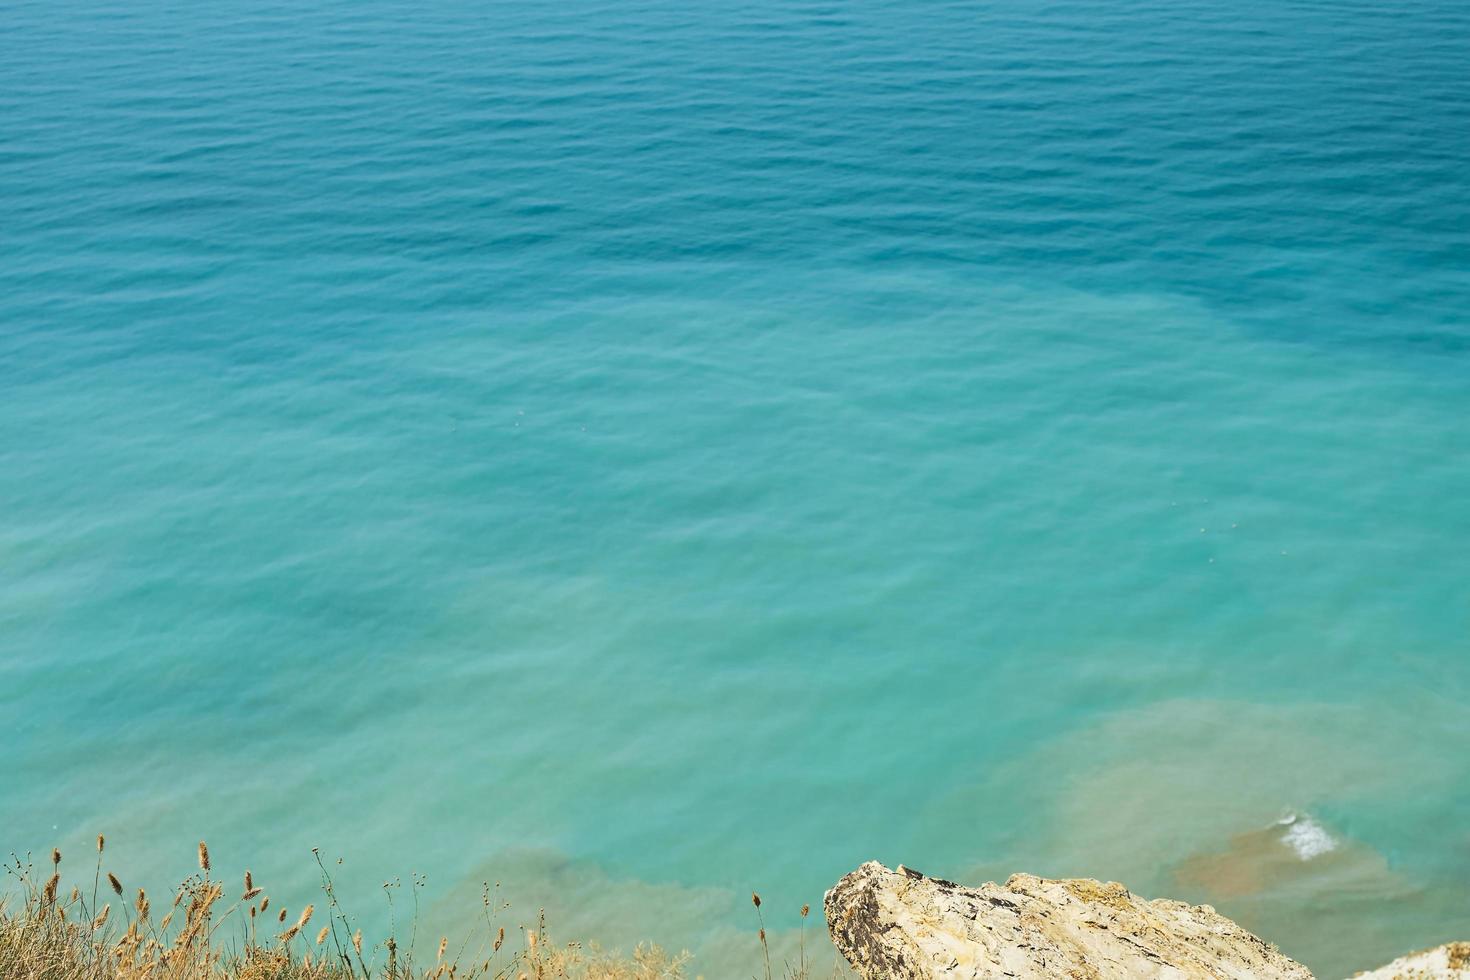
x=1306 y=837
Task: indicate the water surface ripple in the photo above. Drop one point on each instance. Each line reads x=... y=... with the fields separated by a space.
x=646 y=451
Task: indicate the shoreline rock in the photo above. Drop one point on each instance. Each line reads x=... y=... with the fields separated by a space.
x=904 y=925
x=893 y=924
x=1448 y=962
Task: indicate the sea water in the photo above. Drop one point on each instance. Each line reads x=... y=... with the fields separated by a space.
x=646 y=452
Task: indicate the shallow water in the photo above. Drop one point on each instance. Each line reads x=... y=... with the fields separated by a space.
x=644 y=453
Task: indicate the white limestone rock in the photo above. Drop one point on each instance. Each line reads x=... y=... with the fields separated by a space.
x=902 y=925
x=1448 y=962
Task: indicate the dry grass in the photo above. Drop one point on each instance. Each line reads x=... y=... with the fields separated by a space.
x=206 y=930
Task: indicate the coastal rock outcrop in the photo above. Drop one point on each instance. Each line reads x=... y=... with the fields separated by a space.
x=1448 y=962
x=903 y=925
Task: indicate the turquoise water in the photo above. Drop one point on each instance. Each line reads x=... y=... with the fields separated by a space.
x=646 y=452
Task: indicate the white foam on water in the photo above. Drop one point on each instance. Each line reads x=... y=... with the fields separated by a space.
x=1306 y=837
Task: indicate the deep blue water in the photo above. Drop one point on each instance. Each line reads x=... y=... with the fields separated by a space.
x=646 y=452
